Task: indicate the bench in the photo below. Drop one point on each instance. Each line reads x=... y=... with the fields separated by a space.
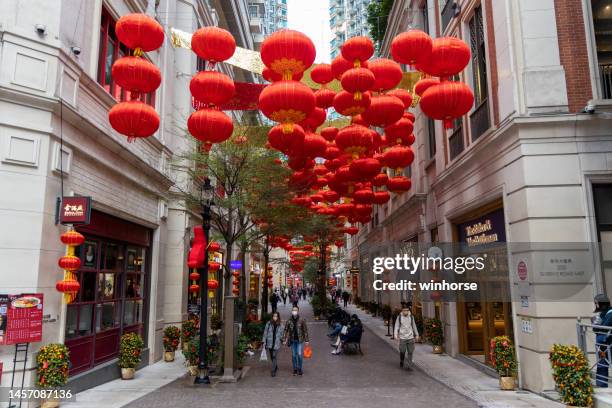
x=353 y=347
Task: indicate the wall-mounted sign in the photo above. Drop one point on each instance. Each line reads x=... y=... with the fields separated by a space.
x=488 y=229
x=236 y=264
x=21 y=318
x=521 y=270
x=75 y=210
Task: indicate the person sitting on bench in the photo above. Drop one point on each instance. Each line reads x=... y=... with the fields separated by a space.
x=353 y=334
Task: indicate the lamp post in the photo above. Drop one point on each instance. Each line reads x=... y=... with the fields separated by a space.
x=206 y=202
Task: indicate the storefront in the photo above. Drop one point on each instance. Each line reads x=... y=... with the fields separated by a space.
x=115 y=264
x=488 y=313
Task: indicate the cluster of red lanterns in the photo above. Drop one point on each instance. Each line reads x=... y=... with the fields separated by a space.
x=70 y=263
x=136 y=76
x=195 y=260
x=209 y=88
x=236 y=282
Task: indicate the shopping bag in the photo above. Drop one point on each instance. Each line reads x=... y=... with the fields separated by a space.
x=264 y=355
x=307 y=351
x=344 y=330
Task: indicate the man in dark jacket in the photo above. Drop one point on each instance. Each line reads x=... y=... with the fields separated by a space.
x=603 y=338
x=296 y=336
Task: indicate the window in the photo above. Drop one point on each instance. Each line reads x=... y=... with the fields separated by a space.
x=479 y=119
x=431 y=137
x=602 y=21
x=110 y=51
x=447 y=11
x=253 y=12
x=425 y=15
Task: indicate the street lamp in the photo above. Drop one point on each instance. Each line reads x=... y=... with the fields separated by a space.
x=206 y=200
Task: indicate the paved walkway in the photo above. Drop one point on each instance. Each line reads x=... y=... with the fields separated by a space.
x=372 y=380
x=459 y=376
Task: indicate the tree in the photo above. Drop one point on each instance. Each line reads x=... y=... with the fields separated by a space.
x=378 y=15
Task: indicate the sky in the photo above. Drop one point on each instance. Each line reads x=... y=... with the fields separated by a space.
x=312 y=18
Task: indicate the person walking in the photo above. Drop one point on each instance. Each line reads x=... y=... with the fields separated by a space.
x=406 y=332
x=603 y=338
x=272 y=340
x=294 y=298
x=295 y=336
x=274 y=302
x=284 y=296
x=345 y=297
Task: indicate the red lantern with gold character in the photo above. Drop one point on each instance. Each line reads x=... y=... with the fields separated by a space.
x=287 y=52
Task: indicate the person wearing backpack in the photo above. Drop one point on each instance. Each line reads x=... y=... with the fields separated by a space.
x=406 y=332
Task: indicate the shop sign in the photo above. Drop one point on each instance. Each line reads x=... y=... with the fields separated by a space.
x=487 y=229
x=75 y=210
x=21 y=318
x=236 y=264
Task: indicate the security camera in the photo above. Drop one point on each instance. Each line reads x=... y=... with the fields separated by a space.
x=76 y=50
x=590 y=109
x=40 y=29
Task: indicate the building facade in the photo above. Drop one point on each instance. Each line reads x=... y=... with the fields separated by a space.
x=530 y=161
x=347 y=18
x=266 y=17
x=55 y=94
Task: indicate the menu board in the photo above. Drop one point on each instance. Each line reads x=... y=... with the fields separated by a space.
x=21 y=318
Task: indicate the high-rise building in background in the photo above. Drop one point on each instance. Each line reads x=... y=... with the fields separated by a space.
x=266 y=17
x=347 y=18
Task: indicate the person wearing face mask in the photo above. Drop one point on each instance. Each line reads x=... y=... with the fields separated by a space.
x=295 y=336
x=272 y=340
x=406 y=332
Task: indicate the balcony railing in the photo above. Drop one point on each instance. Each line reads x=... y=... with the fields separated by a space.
x=447 y=13
x=605 y=73
x=455 y=142
x=479 y=120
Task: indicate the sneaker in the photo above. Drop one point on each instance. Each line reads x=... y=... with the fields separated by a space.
x=300 y=372
x=401 y=363
x=295 y=372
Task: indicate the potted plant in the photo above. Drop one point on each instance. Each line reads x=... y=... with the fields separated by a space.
x=253 y=331
x=241 y=350
x=52 y=370
x=502 y=356
x=317 y=306
x=172 y=337
x=571 y=374
x=215 y=322
x=189 y=331
x=434 y=333
x=192 y=353
x=130 y=350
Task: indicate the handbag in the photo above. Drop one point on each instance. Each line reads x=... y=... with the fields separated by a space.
x=344 y=330
x=264 y=355
x=307 y=351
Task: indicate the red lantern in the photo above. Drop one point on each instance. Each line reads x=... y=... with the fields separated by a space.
x=399 y=184
x=381 y=197
x=329 y=133
x=340 y=65
x=287 y=102
x=194 y=276
x=136 y=75
x=388 y=74
x=194 y=288
x=403 y=95
x=214 y=266
x=399 y=131
x=345 y=104
x=357 y=49
x=314 y=145
x=213 y=284
x=69 y=263
x=411 y=47
x=398 y=157
x=354 y=139
x=449 y=56
x=322 y=74
x=363 y=209
x=357 y=81
x=211 y=87
x=300 y=162
x=324 y=98
x=365 y=168
x=331 y=196
x=68 y=286
x=314 y=119
x=139 y=32
x=134 y=119
x=383 y=110
x=213 y=44
x=288 y=143
x=351 y=230
x=424 y=84
x=210 y=125
x=72 y=238
x=214 y=246
x=447 y=101
x=288 y=52
x=364 y=196
x=380 y=180
x=339 y=243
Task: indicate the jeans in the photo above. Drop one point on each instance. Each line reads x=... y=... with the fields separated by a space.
x=345 y=302
x=603 y=360
x=406 y=346
x=336 y=330
x=273 y=357
x=297 y=354
x=274 y=307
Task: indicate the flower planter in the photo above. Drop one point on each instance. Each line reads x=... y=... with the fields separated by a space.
x=506 y=383
x=128 y=373
x=169 y=356
x=193 y=370
x=50 y=403
x=437 y=349
x=185 y=347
